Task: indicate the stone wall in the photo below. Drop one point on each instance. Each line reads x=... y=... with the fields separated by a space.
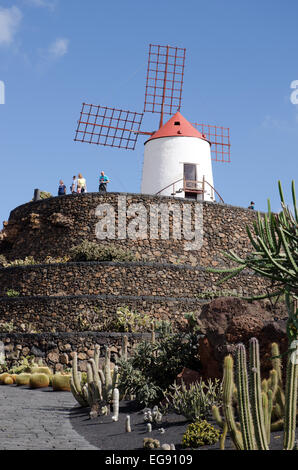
x=57 y=350
x=91 y=313
x=137 y=279
x=65 y=307
x=52 y=226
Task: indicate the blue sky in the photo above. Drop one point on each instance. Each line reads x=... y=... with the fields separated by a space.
x=55 y=54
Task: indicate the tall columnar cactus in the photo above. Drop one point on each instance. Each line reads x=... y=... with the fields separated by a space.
x=255 y=401
x=101 y=383
x=79 y=392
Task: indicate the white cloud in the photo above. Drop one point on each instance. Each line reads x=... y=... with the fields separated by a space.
x=42 y=3
x=10 y=19
x=58 y=48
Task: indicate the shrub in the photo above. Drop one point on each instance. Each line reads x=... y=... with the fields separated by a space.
x=194 y=402
x=127 y=321
x=7 y=327
x=91 y=251
x=24 y=365
x=12 y=293
x=59 y=260
x=45 y=194
x=29 y=260
x=200 y=434
x=154 y=366
x=3 y=261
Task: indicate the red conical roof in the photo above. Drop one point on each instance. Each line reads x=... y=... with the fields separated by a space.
x=177 y=126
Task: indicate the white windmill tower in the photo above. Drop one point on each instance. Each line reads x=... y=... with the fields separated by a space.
x=177 y=157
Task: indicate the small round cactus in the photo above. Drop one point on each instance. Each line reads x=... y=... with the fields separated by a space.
x=23 y=379
x=61 y=383
x=8 y=380
x=3 y=377
x=41 y=370
x=39 y=381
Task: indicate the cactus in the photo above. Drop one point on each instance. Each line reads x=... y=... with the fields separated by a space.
x=97 y=392
x=23 y=379
x=3 y=377
x=41 y=370
x=79 y=392
x=115 y=416
x=127 y=424
x=61 y=383
x=149 y=443
x=8 y=380
x=274 y=239
x=255 y=402
x=39 y=381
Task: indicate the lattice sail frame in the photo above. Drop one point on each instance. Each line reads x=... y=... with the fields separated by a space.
x=219 y=137
x=101 y=125
x=120 y=128
x=164 y=80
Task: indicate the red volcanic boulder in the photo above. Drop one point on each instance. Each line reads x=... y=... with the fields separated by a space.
x=188 y=377
x=227 y=321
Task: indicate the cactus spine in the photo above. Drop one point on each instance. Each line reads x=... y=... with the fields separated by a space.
x=255 y=403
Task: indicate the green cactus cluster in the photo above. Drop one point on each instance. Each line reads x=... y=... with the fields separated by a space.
x=199 y=434
x=262 y=406
x=97 y=392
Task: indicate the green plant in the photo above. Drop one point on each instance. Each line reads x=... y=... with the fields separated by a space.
x=23 y=379
x=12 y=293
x=199 y=434
x=3 y=261
x=24 y=365
x=92 y=251
x=274 y=239
x=154 y=366
x=254 y=404
x=45 y=195
x=29 y=260
x=39 y=380
x=7 y=327
x=149 y=443
x=127 y=321
x=59 y=260
x=194 y=402
x=98 y=391
x=61 y=382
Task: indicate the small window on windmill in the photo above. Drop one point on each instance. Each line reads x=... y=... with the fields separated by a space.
x=177 y=123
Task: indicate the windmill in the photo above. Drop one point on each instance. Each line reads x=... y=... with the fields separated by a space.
x=177 y=157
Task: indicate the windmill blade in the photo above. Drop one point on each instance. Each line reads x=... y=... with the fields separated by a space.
x=219 y=137
x=164 y=79
x=108 y=126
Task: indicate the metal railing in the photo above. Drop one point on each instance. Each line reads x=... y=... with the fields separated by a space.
x=191 y=186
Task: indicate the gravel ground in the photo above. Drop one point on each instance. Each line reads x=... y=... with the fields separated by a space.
x=107 y=435
x=46 y=420
x=38 y=420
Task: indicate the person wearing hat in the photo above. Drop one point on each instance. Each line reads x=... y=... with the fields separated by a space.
x=252 y=205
